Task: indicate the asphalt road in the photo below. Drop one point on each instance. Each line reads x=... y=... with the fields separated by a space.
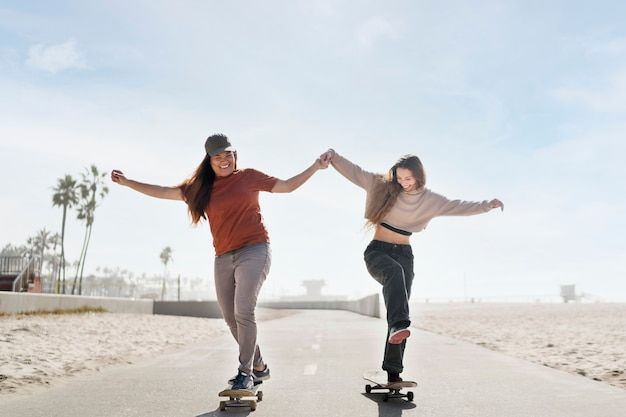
x=317 y=359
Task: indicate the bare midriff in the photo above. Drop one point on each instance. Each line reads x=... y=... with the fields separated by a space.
x=388 y=236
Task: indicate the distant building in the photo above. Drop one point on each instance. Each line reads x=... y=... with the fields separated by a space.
x=568 y=293
x=313 y=292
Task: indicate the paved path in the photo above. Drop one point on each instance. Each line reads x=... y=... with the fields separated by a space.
x=317 y=359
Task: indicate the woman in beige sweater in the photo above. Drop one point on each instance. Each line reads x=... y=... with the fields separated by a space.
x=397 y=205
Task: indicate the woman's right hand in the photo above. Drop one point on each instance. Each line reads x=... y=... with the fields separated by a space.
x=118 y=177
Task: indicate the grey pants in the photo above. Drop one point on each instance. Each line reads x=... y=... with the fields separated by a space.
x=239 y=275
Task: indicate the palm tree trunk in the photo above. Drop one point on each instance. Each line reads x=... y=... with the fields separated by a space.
x=82 y=267
x=81 y=260
x=62 y=269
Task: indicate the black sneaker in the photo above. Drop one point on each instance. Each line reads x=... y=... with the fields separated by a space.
x=263 y=375
x=257 y=376
x=393 y=377
x=243 y=381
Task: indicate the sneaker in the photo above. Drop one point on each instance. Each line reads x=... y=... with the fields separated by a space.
x=257 y=376
x=261 y=376
x=243 y=381
x=397 y=335
x=393 y=377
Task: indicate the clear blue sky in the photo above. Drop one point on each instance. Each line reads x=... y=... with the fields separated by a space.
x=519 y=100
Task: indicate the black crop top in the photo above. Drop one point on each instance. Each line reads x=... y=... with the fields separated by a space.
x=396 y=230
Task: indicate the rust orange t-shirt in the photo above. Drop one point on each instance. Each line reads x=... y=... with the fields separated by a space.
x=234 y=213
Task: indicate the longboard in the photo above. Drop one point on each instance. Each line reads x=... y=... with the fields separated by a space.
x=241 y=397
x=389 y=389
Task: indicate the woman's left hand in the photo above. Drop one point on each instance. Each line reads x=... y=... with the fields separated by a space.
x=321 y=163
x=327 y=156
x=495 y=203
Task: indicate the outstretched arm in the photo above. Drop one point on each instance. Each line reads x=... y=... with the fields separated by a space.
x=349 y=170
x=287 y=186
x=357 y=175
x=157 y=191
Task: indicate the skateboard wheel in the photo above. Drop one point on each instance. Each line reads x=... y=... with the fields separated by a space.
x=253 y=406
x=222 y=405
x=409 y=395
x=368 y=388
x=259 y=395
x=386 y=397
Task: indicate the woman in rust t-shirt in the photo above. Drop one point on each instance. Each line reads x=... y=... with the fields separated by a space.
x=228 y=198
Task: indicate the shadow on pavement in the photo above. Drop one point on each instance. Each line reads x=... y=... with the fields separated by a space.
x=391 y=408
x=229 y=412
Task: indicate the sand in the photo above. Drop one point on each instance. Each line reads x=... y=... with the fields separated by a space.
x=588 y=339
x=38 y=351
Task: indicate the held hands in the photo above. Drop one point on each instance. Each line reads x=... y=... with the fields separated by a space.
x=320 y=163
x=327 y=156
x=495 y=203
x=324 y=160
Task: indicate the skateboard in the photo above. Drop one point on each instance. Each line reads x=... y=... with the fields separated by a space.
x=390 y=389
x=241 y=397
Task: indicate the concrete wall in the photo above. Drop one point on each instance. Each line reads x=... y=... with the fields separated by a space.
x=12 y=303
x=208 y=309
x=367 y=306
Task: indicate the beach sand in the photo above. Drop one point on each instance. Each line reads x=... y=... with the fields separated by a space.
x=588 y=339
x=38 y=351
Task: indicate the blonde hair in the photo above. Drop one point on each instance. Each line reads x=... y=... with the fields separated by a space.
x=386 y=191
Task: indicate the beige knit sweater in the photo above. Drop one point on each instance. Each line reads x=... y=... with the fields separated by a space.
x=413 y=210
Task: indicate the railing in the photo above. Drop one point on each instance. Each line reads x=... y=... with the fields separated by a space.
x=26 y=268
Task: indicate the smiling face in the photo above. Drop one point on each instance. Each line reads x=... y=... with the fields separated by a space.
x=223 y=163
x=406 y=179
x=408 y=173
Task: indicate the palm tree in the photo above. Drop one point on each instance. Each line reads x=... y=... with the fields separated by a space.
x=65 y=195
x=91 y=189
x=10 y=250
x=54 y=258
x=39 y=244
x=166 y=257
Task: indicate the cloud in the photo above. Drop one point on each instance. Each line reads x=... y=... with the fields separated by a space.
x=612 y=47
x=611 y=100
x=55 y=58
x=8 y=58
x=373 y=29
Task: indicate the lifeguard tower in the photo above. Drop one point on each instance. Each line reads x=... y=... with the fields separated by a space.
x=568 y=293
x=313 y=288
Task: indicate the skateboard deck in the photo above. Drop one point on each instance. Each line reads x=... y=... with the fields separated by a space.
x=240 y=397
x=388 y=389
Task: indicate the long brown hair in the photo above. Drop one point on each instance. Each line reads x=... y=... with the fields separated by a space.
x=387 y=189
x=197 y=189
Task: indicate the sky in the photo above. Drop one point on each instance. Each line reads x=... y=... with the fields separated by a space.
x=524 y=101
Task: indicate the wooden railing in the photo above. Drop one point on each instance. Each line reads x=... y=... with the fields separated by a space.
x=25 y=268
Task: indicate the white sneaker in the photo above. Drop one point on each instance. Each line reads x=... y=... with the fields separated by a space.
x=396 y=336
